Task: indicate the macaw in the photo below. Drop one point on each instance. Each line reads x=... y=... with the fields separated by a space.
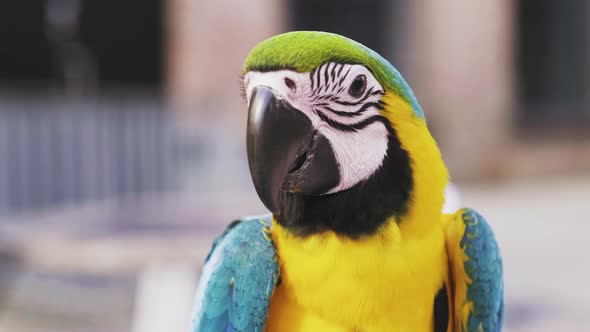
x=340 y=153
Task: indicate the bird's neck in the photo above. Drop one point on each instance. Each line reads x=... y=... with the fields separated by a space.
x=429 y=173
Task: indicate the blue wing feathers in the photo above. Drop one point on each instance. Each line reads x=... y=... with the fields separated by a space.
x=222 y=236
x=237 y=280
x=484 y=268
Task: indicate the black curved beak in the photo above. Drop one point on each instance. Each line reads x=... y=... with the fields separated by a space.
x=285 y=153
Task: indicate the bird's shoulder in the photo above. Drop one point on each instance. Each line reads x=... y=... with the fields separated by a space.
x=476 y=268
x=237 y=279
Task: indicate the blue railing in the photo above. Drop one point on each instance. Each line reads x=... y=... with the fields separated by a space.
x=60 y=152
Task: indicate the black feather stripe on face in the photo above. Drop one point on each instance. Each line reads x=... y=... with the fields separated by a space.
x=331 y=101
x=378 y=104
x=353 y=126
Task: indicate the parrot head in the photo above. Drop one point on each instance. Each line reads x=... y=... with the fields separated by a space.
x=336 y=140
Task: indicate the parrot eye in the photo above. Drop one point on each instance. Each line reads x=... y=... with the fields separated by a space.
x=358 y=86
x=290 y=84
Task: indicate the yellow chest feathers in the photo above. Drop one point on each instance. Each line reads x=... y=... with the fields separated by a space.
x=377 y=283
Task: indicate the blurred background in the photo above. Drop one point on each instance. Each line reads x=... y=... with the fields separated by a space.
x=122 y=146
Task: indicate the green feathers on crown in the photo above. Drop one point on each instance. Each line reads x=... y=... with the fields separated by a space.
x=303 y=51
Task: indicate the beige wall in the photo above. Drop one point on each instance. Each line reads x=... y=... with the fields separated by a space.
x=462 y=64
x=208 y=42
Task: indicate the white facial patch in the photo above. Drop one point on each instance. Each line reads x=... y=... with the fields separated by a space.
x=342 y=101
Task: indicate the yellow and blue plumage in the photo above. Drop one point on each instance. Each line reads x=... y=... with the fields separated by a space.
x=340 y=152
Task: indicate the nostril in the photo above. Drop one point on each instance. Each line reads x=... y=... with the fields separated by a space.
x=290 y=84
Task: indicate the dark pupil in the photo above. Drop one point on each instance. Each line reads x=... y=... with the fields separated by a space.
x=357 y=88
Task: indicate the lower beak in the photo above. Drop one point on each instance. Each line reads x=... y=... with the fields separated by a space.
x=285 y=153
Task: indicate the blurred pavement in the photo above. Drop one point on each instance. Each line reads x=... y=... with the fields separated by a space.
x=544 y=240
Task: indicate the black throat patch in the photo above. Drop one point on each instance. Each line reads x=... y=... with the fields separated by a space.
x=360 y=210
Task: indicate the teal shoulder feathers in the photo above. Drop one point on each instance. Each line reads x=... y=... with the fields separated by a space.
x=483 y=268
x=237 y=280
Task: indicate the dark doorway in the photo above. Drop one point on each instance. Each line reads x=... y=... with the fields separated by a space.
x=366 y=21
x=24 y=50
x=553 y=61
x=119 y=42
x=126 y=36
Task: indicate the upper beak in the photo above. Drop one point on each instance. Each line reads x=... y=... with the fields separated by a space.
x=285 y=153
